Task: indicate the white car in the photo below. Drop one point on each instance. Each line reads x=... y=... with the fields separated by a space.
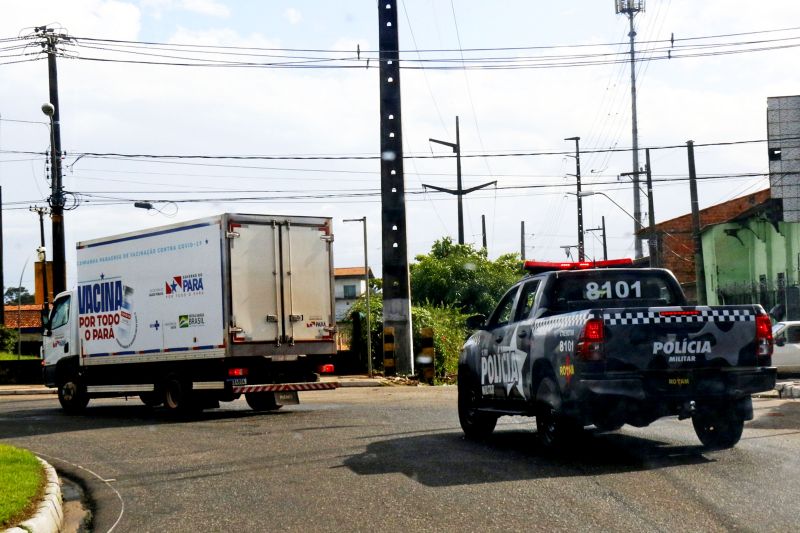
x=786 y=356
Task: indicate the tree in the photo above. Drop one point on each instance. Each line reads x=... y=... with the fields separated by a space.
x=459 y=276
x=17 y=295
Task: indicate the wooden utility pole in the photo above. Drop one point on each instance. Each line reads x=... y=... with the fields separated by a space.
x=699 y=268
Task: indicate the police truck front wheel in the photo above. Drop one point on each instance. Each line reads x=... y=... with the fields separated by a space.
x=476 y=425
x=720 y=430
x=72 y=395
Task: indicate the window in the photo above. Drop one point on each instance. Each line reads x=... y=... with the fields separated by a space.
x=349 y=291
x=502 y=314
x=593 y=289
x=60 y=313
x=793 y=335
x=526 y=300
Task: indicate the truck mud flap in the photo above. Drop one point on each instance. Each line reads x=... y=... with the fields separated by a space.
x=281 y=387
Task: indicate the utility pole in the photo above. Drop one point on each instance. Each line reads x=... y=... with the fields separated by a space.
x=577 y=175
x=652 y=242
x=522 y=240
x=483 y=232
x=53 y=111
x=459 y=191
x=41 y=211
x=630 y=8
x=396 y=288
x=2 y=284
x=699 y=268
x=602 y=229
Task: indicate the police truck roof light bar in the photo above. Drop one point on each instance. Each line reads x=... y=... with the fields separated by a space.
x=546 y=266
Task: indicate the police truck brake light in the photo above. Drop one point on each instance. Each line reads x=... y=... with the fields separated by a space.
x=590 y=345
x=764 y=340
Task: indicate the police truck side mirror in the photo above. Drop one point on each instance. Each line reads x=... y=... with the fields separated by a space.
x=476 y=321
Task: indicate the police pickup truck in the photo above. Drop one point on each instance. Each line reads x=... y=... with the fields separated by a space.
x=604 y=343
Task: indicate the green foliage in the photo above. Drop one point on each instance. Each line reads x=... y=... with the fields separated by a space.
x=22 y=478
x=459 y=276
x=449 y=334
x=448 y=337
x=8 y=339
x=17 y=295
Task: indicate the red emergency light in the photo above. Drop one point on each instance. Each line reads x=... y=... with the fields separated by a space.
x=534 y=267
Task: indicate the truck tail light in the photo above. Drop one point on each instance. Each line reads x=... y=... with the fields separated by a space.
x=764 y=341
x=326 y=369
x=237 y=372
x=590 y=345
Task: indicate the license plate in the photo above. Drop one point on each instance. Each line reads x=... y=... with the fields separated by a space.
x=238 y=382
x=287 y=398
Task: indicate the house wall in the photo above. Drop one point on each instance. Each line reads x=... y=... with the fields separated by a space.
x=343 y=304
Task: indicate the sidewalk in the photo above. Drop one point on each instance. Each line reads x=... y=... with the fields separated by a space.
x=344 y=381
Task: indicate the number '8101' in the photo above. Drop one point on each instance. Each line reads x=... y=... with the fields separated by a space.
x=620 y=289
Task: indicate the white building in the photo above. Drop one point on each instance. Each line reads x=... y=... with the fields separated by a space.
x=349 y=286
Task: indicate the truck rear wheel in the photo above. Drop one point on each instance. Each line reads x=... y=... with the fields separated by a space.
x=151 y=399
x=72 y=395
x=475 y=424
x=178 y=396
x=262 y=401
x=718 y=431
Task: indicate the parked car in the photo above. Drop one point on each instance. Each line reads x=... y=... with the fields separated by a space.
x=786 y=356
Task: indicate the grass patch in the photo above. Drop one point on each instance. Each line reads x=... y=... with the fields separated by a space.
x=22 y=482
x=5 y=356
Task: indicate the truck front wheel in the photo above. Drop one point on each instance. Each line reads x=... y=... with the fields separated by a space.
x=720 y=430
x=72 y=395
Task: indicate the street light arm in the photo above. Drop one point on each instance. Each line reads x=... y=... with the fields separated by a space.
x=440 y=189
x=592 y=193
x=478 y=187
x=454 y=146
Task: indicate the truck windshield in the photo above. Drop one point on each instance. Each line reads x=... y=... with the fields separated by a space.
x=575 y=291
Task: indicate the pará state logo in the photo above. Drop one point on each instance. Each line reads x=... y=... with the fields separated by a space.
x=185 y=285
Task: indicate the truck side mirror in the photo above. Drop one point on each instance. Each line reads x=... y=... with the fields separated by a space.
x=780 y=341
x=46 y=322
x=476 y=321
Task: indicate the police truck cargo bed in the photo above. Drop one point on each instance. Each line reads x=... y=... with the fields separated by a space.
x=189 y=314
x=576 y=344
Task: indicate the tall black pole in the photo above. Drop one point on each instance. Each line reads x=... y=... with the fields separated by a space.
x=581 y=249
x=699 y=268
x=522 y=240
x=2 y=284
x=605 y=248
x=652 y=241
x=57 y=196
x=458 y=186
x=483 y=231
x=396 y=289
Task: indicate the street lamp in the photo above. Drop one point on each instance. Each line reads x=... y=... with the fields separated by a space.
x=56 y=201
x=363 y=220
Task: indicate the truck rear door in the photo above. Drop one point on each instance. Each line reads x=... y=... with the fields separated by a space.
x=281 y=284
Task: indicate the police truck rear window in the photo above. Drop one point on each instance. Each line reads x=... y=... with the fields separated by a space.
x=574 y=291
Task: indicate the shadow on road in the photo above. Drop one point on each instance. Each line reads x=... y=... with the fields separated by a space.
x=447 y=459
x=782 y=416
x=45 y=421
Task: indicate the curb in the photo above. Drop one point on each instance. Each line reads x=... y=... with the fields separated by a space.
x=788 y=390
x=49 y=515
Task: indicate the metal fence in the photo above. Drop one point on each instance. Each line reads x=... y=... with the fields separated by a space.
x=769 y=294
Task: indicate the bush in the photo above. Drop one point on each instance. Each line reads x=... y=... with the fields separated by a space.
x=8 y=339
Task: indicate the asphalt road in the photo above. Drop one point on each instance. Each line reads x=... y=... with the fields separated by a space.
x=394 y=459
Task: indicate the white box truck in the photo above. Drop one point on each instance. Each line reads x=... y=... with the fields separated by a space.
x=195 y=313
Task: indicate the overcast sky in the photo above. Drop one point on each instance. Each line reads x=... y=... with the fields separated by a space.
x=716 y=97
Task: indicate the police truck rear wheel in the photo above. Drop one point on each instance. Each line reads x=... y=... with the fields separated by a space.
x=718 y=431
x=72 y=395
x=476 y=425
x=553 y=429
x=262 y=401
